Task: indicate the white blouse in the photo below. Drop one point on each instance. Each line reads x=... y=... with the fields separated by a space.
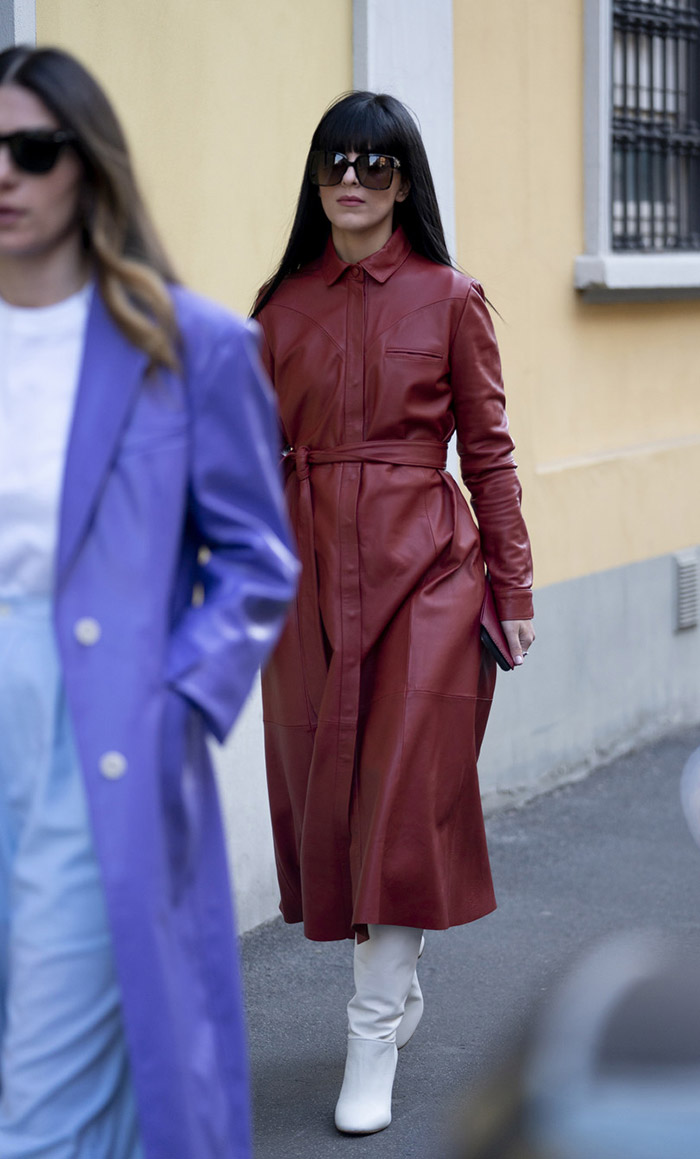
x=40 y=355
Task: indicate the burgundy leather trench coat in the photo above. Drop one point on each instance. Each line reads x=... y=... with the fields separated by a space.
x=377 y=696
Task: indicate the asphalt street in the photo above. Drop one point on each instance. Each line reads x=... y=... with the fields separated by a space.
x=608 y=853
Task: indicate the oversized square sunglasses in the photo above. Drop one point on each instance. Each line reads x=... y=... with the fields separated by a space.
x=36 y=150
x=373 y=170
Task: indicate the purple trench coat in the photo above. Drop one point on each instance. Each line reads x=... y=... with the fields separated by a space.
x=157 y=468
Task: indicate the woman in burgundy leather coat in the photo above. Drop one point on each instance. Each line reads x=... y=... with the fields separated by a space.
x=378 y=694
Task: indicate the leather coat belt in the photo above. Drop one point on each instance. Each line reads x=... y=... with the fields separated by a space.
x=401 y=452
x=404 y=453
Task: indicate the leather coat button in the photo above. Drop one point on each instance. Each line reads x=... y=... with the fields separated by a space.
x=113 y=765
x=87 y=631
x=356 y=271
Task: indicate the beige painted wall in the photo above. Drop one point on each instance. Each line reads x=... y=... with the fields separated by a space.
x=604 y=400
x=219 y=99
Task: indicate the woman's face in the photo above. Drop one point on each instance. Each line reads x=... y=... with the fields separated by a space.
x=39 y=213
x=351 y=208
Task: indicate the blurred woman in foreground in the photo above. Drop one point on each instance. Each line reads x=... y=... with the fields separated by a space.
x=135 y=429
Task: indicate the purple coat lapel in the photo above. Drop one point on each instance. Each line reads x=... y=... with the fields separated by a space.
x=110 y=377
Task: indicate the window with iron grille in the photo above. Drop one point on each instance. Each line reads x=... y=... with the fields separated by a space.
x=642 y=148
x=656 y=125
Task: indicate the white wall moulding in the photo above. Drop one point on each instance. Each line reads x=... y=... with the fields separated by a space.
x=7 y=25
x=641 y=277
x=601 y=273
x=17 y=22
x=597 y=42
x=405 y=47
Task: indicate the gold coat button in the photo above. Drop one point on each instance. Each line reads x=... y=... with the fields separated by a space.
x=113 y=765
x=87 y=631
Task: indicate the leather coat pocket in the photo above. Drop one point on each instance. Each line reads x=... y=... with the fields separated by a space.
x=404 y=352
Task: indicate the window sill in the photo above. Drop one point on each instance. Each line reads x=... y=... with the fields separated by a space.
x=610 y=277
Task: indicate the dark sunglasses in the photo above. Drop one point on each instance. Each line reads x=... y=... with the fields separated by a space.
x=373 y=170
x=36 y=150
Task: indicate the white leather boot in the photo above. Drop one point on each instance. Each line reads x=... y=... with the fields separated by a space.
x=384 y=968
x=413 y=1011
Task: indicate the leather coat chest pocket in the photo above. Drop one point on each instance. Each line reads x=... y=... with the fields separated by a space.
x=404 y=352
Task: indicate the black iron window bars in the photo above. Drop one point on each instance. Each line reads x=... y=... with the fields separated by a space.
x=656 y=125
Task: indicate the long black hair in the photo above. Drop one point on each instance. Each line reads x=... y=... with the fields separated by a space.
x=361 y=122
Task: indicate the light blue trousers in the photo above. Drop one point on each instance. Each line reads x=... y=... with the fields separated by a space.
x=65 y=1086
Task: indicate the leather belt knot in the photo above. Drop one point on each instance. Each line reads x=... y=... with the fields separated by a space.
x=301 y=461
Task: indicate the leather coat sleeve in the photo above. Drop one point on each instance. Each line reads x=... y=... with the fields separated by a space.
x=486 y=456
x=266 y=353
x=268 y=361
x=236 y=505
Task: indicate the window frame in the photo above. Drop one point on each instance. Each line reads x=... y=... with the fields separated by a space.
x=601 y=273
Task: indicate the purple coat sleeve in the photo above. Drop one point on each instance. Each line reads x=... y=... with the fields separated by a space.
x=236 y=513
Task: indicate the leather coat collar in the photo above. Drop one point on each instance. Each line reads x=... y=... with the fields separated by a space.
x=380 y=265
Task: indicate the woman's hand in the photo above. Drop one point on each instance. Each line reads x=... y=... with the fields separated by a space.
x=520 y=635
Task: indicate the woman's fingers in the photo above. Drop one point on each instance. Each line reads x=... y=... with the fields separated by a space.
x=520 y=634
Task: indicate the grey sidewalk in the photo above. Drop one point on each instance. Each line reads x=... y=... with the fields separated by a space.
x=608 y=853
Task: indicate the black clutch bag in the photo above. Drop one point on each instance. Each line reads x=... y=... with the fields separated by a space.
x=492 y=634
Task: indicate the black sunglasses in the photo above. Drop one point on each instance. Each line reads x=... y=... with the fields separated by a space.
x=36 y=150
x=373 y=170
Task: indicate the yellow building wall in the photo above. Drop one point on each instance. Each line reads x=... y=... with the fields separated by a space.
x=219 y=99
x=604 y=400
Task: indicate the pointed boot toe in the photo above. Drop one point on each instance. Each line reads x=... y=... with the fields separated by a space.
x=364 y=1105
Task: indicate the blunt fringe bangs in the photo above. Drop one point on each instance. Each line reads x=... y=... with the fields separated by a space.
x=361 y=122
x=131 y=266
x=361 y=126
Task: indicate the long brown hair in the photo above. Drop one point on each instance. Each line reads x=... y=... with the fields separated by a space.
x=131 y=266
